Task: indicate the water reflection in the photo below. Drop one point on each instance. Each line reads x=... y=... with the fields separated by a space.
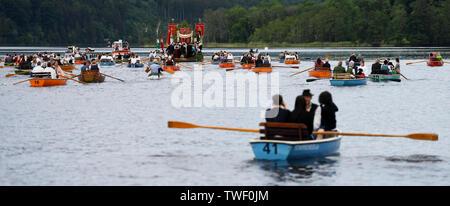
x=415 y=159
x=300 y=170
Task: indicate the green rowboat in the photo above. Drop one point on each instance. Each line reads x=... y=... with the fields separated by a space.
x=384 y=77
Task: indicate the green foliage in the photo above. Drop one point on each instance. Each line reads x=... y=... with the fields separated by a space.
x=90 y=22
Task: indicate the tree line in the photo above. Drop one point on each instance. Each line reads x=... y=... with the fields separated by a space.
x=91 y=22
x=375 y=22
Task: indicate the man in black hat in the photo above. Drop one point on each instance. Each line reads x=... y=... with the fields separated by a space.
x=313 y=111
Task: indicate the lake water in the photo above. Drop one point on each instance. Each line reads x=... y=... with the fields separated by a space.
x=116 y=133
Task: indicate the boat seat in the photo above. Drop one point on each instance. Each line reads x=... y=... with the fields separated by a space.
x=42 y=75
x=342 y=76
x=285 y=131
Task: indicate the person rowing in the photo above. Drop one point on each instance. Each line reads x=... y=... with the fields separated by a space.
x=155 y=69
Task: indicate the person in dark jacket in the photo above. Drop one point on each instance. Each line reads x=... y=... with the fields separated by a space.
x=301 y=116
x=259 y=62
x=328 y=117
x=279 y=112
x=376 y=68
x=353 y=58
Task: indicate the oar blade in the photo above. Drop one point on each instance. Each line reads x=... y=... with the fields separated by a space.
x=311 y=80
x=10 y=75
x=424 y=136
x=181 y=125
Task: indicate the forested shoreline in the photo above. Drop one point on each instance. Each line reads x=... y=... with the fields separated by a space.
x=283 y=22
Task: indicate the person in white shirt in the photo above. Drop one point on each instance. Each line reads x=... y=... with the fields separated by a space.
x=50 y=70
x=38 y=68
x=230 y=57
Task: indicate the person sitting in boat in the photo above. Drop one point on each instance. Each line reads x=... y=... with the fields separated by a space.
x=353 y=58
x=438 y=57
x=37 y=69
x=352 y=68
x=230 y=57
x=94 y=66
x=319 y=63
x=279 y=113
x=306 y=113
x=49 y=69
x=385 y=68
x=282 y=56
x=361 y=74
x=296 y=56
x=216 y=57
x=59 y=71
x=339 y=69
x=359 y=58
x=86 y=65
x=169 y=61
x=155 y=69
x=326 y=66
x=267 y=60
x=327 y=114
x=396 y=69
x=259 y=62
x=376 y=67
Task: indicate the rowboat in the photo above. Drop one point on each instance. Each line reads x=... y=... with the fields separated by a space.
x=196 y=58
x=47 y=82
x=67 y=67
x=90 y=76
x=435 y=63
x=173 y=68
x=286 y=150
x=135 y=65
x=384 y=77
x=107 y=64
x=321 y=74
x=292 y=62
x=215 y=62
x=262 y=70
x=226 y=65
x=290 y=145
x=348 y=82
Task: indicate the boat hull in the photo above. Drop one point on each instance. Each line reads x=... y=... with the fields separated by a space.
x=47 y=82
x=173 y=68
x=348 y=82
x=320 y=74
x=384 y=77
x=136 y=66
x=91 y=77
x=282 y=150
x=227 y=65
x=67 y=67
x=262 y=70
x=248 y=66
x=435 y=64
x=107 y=64
x=290 y=62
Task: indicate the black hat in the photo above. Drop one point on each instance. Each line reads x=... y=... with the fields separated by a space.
x=307 y=93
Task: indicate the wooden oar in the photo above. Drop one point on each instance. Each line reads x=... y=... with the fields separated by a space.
x=183 y=125
x=312 y=80
x=21 y=82
x=403 y=76
x=11 y=75
x=331 y=57
x=419 y=136
x=186 y=66
x=72 y=75
x=75 y=80
x=293 y=67
x=409 y=63
x=112 y=77
x=303 y=71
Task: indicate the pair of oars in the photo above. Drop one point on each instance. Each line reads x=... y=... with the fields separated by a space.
x=418 y=136
x=81 y=82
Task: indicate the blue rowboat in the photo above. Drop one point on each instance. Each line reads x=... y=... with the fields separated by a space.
x=288 y=150
x=348 y=82
x=135 y=65
x=281 y=61
x=384 y=77
x=215 y=62
x=107 y=64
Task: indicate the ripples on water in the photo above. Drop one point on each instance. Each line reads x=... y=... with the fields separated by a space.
x=116 y=133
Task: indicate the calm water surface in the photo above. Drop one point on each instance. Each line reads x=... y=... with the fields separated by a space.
x=116 y=133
